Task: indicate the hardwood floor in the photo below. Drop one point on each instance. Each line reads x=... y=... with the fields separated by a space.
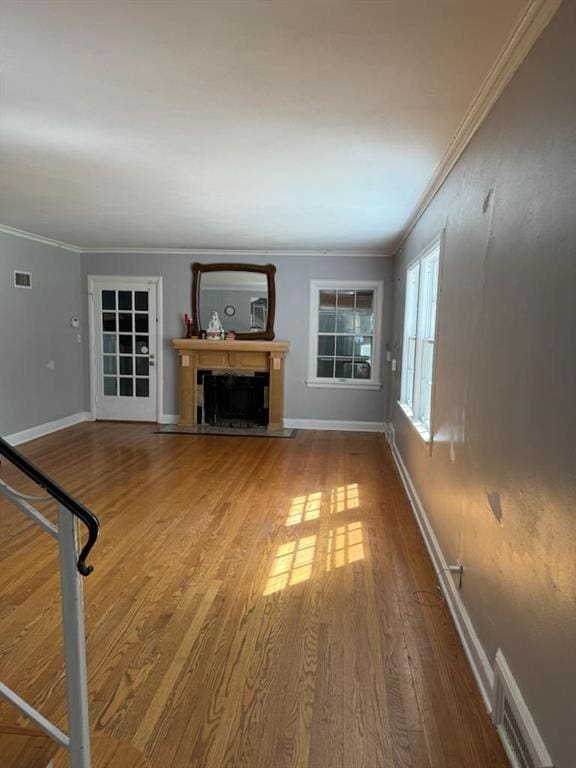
x=25 y=748
x=251 y=605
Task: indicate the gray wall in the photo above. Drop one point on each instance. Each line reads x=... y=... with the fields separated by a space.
x=500 y=485
x=35 y=329
x=292 y=317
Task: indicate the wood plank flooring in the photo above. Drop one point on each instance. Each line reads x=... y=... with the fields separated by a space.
x=251 y=606
x=25 y=748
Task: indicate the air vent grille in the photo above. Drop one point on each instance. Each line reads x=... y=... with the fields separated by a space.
x=513 y=735
x=516 y=728
x=22 y=279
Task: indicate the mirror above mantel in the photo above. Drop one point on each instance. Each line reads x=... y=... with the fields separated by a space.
x=243 y=295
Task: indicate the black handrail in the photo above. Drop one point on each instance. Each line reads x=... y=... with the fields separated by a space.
x=61 y=496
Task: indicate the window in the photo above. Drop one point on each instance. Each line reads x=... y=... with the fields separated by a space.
x=419 y=338
x=345 y=334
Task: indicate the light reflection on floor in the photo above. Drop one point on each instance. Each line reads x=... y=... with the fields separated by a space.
x=304 y=508
x=345 y=545
x=344 y=497
x=292 y=564
x=328 y=547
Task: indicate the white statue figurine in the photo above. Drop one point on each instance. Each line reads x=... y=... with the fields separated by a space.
x=215 y=329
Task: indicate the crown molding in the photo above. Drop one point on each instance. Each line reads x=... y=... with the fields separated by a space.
x=39 y=239
x=246 y=253
x=530 y=26
x=199 y=252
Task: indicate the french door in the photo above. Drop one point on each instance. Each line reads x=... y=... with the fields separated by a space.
x=125 y=348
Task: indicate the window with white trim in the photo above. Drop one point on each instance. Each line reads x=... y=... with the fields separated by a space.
x=345 y=334
x=419 y=338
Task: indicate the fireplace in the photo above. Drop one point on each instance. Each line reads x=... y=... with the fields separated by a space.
x=234 y=400
x=254 y=359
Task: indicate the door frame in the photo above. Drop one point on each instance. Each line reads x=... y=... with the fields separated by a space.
x=157 y=283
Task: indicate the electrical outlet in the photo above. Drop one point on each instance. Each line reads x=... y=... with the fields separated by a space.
x=460 y=573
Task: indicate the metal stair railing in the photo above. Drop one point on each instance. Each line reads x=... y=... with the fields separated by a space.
x=72 y=568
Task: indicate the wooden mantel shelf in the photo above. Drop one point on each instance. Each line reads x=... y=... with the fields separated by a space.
x=249 y=356
x=237 y=346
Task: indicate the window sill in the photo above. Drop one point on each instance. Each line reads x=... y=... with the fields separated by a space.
x=422 y=431
x=346 y=384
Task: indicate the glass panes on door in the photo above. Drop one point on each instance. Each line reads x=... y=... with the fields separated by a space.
x=345 y=334
x=125 y=328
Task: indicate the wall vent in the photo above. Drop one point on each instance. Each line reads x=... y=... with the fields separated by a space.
x=516 y=728
x=22 y=279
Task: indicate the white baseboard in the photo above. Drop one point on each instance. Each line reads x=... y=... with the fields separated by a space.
x=475 y=653
x=168 y=418
x=45 y=429
x=327 y=424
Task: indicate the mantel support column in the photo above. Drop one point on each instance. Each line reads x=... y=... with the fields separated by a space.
x=276 y=391
x=188 y=389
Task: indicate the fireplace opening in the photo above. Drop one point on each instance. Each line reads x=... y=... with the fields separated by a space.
x=232 y=400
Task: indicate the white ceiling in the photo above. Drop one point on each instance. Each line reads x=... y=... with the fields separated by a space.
x=312 y=124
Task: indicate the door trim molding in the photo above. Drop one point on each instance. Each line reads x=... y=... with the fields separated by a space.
x=157 y=281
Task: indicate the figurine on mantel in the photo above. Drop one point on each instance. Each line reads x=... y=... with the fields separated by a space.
x=215 y=329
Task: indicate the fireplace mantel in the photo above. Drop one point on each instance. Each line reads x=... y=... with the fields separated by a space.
x=248 y=356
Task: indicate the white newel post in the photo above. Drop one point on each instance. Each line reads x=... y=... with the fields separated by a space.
x=74 y=637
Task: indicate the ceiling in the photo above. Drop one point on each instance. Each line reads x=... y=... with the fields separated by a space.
x=266 y=124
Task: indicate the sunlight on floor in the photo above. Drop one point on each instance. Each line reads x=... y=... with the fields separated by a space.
x=308 y=506
x=304 y=508
x=294 y=560
x=344 y=497
x=292 y=564
x=345 y=545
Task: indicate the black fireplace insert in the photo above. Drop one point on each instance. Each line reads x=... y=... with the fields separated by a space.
x=232 y=400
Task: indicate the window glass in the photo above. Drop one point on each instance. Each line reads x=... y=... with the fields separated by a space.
x=141 y=301
x=109 y=322
x=110 y=385
x=419 y=337
x=124 y=299
x=345 y=334
x=110 y=365
x=410 y=326
x=327 y=300
x=325 y=367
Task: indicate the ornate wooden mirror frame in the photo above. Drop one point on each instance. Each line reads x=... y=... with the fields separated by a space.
x=267 y=269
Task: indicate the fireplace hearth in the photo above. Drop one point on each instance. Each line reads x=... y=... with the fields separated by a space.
x=233 y=400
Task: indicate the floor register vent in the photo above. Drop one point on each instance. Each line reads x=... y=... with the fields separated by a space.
x=516 y=728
